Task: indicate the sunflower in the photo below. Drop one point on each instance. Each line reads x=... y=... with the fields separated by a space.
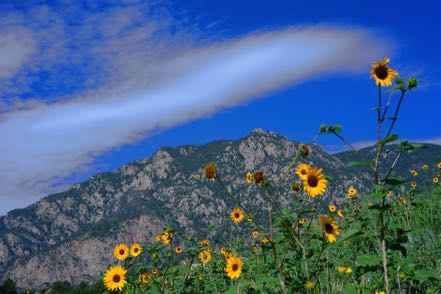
x=121 y=251
x=352 y=192
x=144 y=278
x=210 y=171
x=302 y=170
x=425 y=167
x=332 y=208
x=178 y=249
x=234 y=267
x=330 y=228
x=255 y=234
x=249 y=178
x=223 y=251
x=258 y=177
x=254 y=249
x=115 y=278
x=295 y=187
x=154 y=271
x=236 y=215
x=158 y=238
x=390 y=193
x=413 y=173
x=204 y=243
x=380 y=292
x=315 y=182
x=413 y=184
x=340 y=213
x=435 y=180
x=135 y=250
x=382 y=74
x=265 y=240
x=309 y=285
x=302 y=221
x=166 y=237
x=205 y=256
x=341 y=269
x=401 y=200
x=304 y=150
x=250 y=218
x=438 y=165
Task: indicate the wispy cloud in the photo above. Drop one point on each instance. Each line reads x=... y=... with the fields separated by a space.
x=147 y=82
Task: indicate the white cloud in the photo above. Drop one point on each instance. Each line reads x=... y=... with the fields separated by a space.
x=16 y=47
x=45 y=143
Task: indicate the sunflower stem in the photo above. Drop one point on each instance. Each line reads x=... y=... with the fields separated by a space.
x=394 y=119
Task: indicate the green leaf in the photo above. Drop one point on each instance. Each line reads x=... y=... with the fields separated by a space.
x=394 y=181
x=422 y=275
x=349 y=234
x=389 y=139
x=352 y=289
x=359 y=163
x=368 y=260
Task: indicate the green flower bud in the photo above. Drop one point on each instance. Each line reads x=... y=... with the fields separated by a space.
x=412 y=83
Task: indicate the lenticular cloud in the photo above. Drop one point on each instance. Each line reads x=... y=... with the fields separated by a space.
x=41 y=145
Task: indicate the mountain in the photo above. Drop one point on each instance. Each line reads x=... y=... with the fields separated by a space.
x=71 y=235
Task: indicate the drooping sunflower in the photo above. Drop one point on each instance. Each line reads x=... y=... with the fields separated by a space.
x=302 y=170
x=115 y=278
x=413 y=173
x=249 y=178
x=315 y=182
x=204 y=243
x=330 y=228
x=135 y=250
x=234 y=267
x=205 y=256
x=144 y=278
x=435 y=180
x=413 y=184
x=210 y=171
x=121 y=251
x=332 y=208
x=236 y=215
x=178 y=249
x=425 y=167
x=352 y=192
x=255 y=234
x=295 y=187
x=382 y=74
x=258 y=177
x=340 y=213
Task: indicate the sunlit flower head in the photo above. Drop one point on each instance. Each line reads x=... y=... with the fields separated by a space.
x=425 y=167
x=413 y=184
x=340 y=214
x=382 y=74
x=255 y=234
x=121 y=252
x=413 y=173
x=330 y=228
x=332 y=208
x=249 y=178
x=115 y=278
x=315 y=183
x=309 y=285
x=178 y=249
x=234 y=267
x=135 y=250
x=438 y=165
x=204 y=243
x=205 y=256
x=302 y=170
x=144 y=278
x=236 y=215
x=435 y=180
x=401 y=200
x=352 y=192
x=302 y=221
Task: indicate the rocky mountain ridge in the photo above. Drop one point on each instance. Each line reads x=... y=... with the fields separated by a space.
x=70 y=235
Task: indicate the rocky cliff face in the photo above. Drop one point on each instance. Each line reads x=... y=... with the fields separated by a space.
x=71 y=235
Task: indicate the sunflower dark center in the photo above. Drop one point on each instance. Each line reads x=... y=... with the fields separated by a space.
x=136 y=250
x=303 y=172
x=312 y=181
x=116 y=278
x=328 y=228
x=235 y=267
x=236 y=215
x=381 y=72
x=121 y=251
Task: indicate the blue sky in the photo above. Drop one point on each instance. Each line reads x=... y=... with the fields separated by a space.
x=87 y=86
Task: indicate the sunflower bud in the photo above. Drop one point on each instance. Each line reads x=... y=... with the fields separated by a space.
x=323 y=128
x=412 y=83
x=304 y=150
x=295 y=187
